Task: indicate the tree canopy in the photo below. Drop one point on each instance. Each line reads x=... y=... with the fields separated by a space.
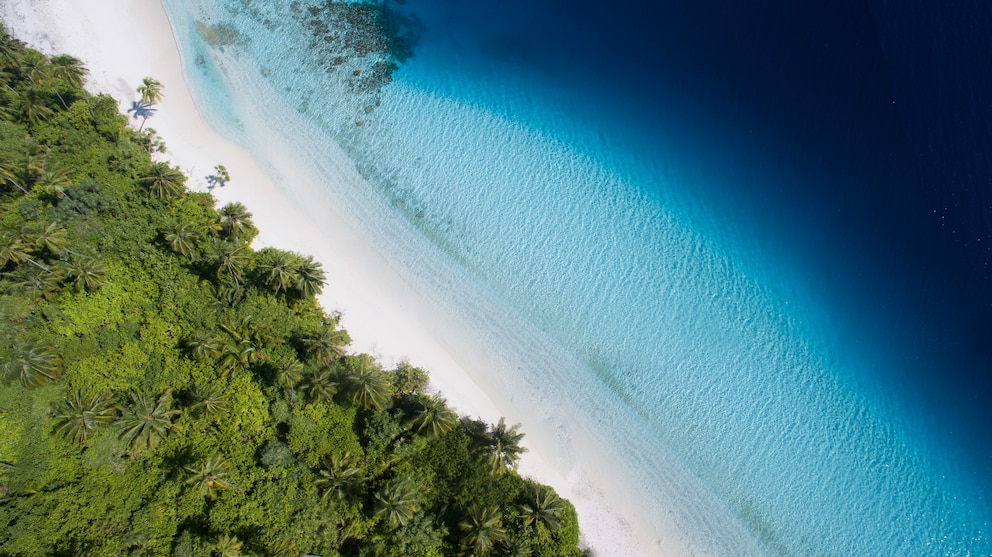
x=169 y=390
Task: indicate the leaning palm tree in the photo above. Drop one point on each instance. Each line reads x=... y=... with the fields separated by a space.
x=10 y=173
x=148 y=422
x=368 y=384
x=52 y=238
x=310 y=276
x=483 y=529
x=54 y=180
x=163 y=181
x=503 y=446
x=434 y=418
x=150 y=90
x=78 y=417
x=34 y=65
x=69 y=69
x=210 y=476
x=39 y=285
x=339 y=479
x=34 y=105
x=398 y=502
x=32 y=365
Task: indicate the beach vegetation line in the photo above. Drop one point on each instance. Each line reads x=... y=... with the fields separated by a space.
x=169 y=390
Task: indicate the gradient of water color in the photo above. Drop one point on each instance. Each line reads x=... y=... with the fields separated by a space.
x=693 y=233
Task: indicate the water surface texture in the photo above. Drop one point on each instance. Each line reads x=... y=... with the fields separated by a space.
x=744 y=247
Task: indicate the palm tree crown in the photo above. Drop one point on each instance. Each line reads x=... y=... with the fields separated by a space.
x=78 y=417
x=369 y=385
x=483 y=529
x=434 y=417
x=210 y=476
x=398 y=502
x=149 y=421
x=504 y=446
x=150 y=91
x=32 y=365
x=69 y=69
x=163 y=181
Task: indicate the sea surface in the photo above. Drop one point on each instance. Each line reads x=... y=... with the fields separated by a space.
x=744 y=248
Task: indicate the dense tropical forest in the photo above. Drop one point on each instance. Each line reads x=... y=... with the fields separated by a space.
x=169 y=390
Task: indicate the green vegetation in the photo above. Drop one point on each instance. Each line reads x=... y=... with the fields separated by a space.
x=168 y=390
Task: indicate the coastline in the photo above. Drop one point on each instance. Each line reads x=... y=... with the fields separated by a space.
x=386 y=317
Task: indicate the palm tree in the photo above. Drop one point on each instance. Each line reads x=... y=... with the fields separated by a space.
x=230 y=259
x=327 y=343
x=398 y=502
x=339 y=479
x=434 y=417
x=220 y=177
x=78 y=417
x=85 y=273
x=211 y=401
x=182 y=239
x=10 y=48
x=9 y=173
x=38 y=285
x=33 y=65
x=544 y=507
x=236 y=353
x=34 y=105
x=284 y=548
x=163 y=181
x=32 y=365
x=51 y=238
x=279 y=270
x=321 y=386
x=236 y=223
x=483 y=529
x=210 y=475
x=69 y=69
x=148 y=422
x=54 y=180
x=228 y=546
x=12 y=248
x=369 y=385
x=150 y=91
x=310 y=276
x=288 y=372
x=504 y=447
x=18 y=247
x=516 y=547
x=204 y=345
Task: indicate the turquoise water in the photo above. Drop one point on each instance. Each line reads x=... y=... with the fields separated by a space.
x=606 y=258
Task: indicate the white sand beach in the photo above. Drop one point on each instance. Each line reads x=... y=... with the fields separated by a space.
x=123 y=41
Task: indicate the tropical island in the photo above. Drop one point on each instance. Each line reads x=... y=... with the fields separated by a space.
x=169 y=390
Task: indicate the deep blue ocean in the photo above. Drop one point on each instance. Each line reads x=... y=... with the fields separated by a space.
x=760 y=233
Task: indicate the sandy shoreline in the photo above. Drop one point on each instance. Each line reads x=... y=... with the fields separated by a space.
x=123 y=41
